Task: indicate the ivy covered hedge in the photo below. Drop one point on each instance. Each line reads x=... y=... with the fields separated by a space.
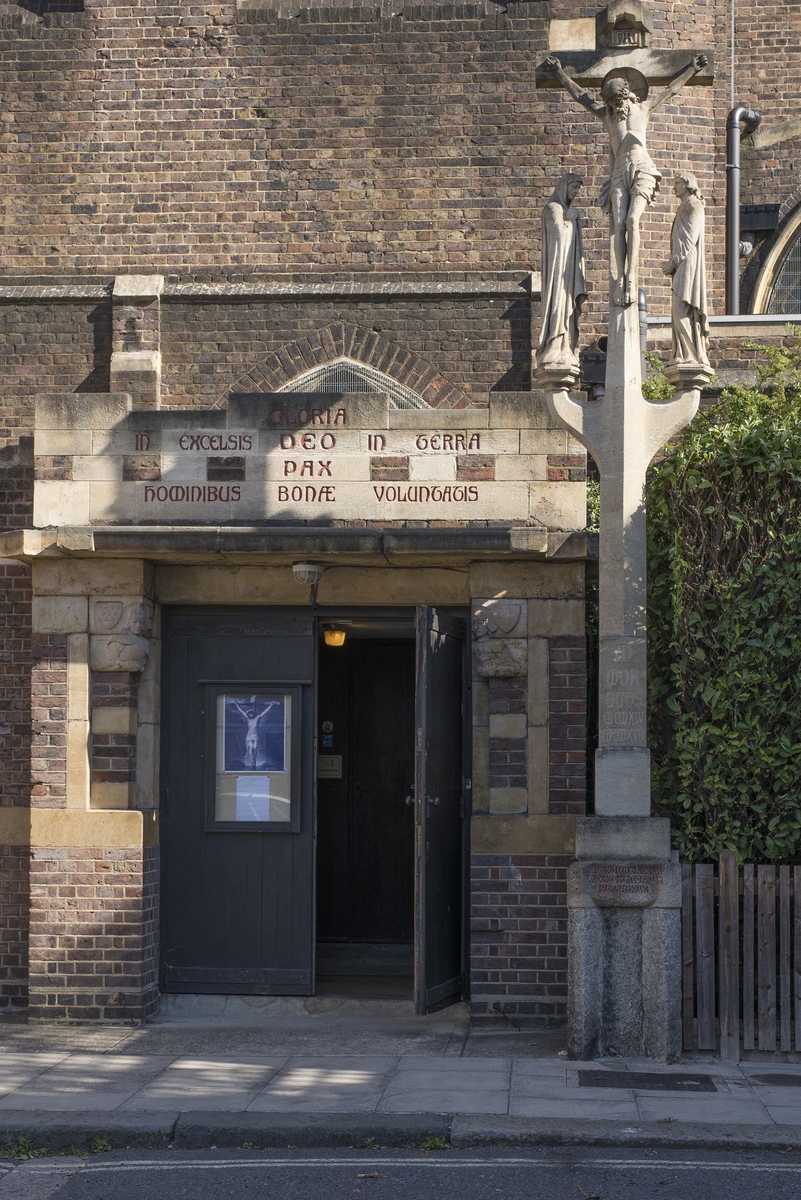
x=724 y=523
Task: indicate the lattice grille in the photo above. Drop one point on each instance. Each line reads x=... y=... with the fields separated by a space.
x=786 y=294
x=347 y=375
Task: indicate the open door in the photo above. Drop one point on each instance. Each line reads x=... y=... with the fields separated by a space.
x=439 y=809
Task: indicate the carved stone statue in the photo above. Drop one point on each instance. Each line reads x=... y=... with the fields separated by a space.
x=686 y=265
x=634 y=179
x=564 y=287
x=120 y=629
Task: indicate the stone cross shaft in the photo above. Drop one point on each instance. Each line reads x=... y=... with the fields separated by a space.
x=623 y=431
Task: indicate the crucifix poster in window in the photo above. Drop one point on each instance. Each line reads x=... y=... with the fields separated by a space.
x=254 y=774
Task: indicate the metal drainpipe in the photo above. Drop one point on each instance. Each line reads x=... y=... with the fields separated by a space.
x=750 y=120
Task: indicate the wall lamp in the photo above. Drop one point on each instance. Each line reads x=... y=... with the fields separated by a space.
x=333 y=635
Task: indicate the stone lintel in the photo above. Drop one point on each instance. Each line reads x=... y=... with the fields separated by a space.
x=621 y=838
x=60 y=828
x=623 y=883
x=135 y=362
x=521 y=834
x=590 y=67
x=138 y=287
x=278 y=545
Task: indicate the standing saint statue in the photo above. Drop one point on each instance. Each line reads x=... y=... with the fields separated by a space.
x=564 y=288
x=634 y=179
x=688 y=310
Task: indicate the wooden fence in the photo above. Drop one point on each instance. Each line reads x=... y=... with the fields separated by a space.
x=741 y=957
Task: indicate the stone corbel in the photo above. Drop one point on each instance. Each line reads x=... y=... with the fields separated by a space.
x=497 y=654
x=136 y=338
x=119 y=630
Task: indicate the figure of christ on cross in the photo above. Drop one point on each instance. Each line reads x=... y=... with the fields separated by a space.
x=252 y=732
x=634 y=179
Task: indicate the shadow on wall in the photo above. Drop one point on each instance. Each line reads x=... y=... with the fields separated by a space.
x=98 y=379
x=518 y=377
x=42 y=8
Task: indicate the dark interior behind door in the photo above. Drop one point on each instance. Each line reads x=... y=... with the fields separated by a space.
x=440 y=808
x=237 y=906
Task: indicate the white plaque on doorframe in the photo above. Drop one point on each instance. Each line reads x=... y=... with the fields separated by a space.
x=329 y=766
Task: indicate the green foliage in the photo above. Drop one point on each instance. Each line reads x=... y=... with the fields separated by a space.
x=724 y=521
x=593 y=505
x=21 y=1148
x=434 y=1142
x=656 y=386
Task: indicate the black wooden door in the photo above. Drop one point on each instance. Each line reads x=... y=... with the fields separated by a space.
x=237 y=904
x=439 y=807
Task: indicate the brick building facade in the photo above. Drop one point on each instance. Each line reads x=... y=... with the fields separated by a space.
x=205 y=204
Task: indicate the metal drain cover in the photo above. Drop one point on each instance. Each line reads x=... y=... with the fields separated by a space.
x=649 y=1081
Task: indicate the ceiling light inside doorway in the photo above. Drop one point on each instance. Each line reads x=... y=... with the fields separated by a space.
x=333 y=635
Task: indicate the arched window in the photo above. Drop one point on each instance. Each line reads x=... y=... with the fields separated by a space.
x=785 y=296
x=778 y=284
x=347 y=375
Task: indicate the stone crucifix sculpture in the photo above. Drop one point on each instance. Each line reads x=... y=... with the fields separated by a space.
x=634 y=180
x=624 y=893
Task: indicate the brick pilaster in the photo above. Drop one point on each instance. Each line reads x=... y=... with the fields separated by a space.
x=519 y=938
x=93 y=933
x=49 y=720
x=15 y=770
x=567 y=740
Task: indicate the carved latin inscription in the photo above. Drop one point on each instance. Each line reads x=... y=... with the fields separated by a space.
x=625 y=885
x=622 y=692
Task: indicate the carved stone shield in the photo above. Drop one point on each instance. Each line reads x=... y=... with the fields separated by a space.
x=504 y=617
x=108 y=613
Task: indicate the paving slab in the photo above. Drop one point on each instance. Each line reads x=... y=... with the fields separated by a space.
x=439 y=1085
x=85 y=1081
x=327 y=1085
x=222 y=1084
x=785 y=1114
x=17 y=1069
x=312 y=1036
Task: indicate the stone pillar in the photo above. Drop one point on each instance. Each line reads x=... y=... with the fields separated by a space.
x=624 y=894
x=624 y=947
x=136 y=338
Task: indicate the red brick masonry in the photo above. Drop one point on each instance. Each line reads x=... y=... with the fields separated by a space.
x=519 y=939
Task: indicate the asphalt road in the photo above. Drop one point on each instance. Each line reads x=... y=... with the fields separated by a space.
x=570 y=1174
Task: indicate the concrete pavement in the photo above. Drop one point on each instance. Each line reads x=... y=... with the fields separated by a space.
x=345 y=1077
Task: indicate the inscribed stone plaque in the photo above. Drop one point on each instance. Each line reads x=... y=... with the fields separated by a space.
x=624 y=883
x=622 y=700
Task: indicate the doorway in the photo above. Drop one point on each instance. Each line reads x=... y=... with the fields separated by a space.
x=272 y=856
x=365 y=808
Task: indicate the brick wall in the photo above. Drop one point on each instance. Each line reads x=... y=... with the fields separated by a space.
x=15 y=777
x=93 y=942
x=113 y=763
x=519 y=939
x=507 y=755
x=567 y=725
x=208 y=144
x=14 y=905
x=49 y=720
